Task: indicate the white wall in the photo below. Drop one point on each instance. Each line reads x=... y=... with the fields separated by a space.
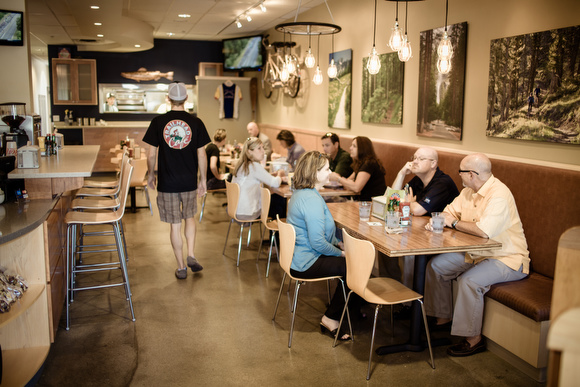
x=487 y=20
x=14 y=64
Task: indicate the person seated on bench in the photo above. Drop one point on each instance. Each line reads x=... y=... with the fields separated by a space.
x=485 y=208
x=340 y=160
x=368 y=177
x=288 y=142
x=215 y=180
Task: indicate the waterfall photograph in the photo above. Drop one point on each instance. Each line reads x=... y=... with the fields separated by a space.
x=534 y=87
x=340 y=90
x=440 y=99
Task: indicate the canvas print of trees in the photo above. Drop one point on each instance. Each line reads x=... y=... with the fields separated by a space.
x=534 y=87
x=340 y=91
x=440 y=110
x=382 y=93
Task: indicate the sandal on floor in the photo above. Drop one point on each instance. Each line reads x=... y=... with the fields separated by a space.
x=325 y=330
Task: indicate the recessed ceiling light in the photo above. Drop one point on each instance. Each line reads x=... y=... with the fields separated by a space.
x=100 y=35
x=170 y=34
x=95 y=7
x=185 y=15
x=98 y=24
x=137 y=45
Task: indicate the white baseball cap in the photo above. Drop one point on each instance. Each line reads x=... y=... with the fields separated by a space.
x=177 y=91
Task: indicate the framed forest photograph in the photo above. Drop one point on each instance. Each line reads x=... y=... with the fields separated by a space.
x=534 y=87
x=340 y=90
x=382 y=93
x=440 y=99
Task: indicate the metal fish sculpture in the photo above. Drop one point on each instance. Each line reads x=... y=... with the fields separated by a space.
x=143 y=75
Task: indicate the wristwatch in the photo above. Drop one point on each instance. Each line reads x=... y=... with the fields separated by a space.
x=454 y=223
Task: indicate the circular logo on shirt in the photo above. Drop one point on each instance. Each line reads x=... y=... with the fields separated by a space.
x=177 y=134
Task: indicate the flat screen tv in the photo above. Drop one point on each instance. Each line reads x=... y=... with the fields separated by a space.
x=243 y=53
x=11 y=32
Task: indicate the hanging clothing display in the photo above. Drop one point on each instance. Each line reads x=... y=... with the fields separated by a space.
x=229 y=95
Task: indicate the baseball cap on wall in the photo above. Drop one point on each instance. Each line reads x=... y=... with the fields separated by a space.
x=177 y=91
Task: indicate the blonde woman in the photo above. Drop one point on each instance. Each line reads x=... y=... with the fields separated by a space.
x=250 y=174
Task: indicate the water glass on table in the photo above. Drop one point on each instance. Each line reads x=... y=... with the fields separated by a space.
x=438 y=222
x=364 y=211
x=392 y=219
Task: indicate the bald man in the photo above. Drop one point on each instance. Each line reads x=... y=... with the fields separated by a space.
x=486 y=208
x=254 y=131
x=431 y=189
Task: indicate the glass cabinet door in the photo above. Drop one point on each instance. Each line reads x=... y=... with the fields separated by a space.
x=63 y=84
x=74 y=81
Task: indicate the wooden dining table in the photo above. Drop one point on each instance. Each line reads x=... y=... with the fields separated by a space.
x=414 y=240
x=285 y=191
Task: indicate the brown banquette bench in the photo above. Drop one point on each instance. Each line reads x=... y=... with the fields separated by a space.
x=517 y=314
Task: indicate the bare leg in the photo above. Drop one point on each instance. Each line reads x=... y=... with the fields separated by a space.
x=177 y=243
x=190 y=235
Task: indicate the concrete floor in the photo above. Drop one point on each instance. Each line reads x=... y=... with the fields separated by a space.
x=215 y=327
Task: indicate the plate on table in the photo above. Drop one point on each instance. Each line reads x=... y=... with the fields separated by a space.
x=332 y=184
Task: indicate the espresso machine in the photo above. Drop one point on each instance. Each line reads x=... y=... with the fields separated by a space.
x=13 y=114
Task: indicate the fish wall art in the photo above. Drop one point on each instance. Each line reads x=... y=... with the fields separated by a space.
x=143 y=75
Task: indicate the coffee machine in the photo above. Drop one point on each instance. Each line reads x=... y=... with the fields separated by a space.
x=18 y=128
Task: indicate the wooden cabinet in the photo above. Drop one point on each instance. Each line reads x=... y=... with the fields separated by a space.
x=74 y=81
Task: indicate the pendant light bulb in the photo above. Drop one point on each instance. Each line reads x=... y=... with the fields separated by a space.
x=396 y=39
x=405 y=53
x=445 y=49
x=290 y=64
x=310 y=60
x=317 y=76
x=284 y=74
x=374 y=62
x=332 y=70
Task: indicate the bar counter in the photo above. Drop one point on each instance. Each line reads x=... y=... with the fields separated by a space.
x=59 y=173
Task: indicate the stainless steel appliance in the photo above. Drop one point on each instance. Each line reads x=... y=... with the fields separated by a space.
x=17 y=127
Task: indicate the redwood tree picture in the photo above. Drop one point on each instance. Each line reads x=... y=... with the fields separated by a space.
x=440 y=110
x=382 y=93
x=534 y=87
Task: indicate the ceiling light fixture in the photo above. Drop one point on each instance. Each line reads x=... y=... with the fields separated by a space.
x=396 y=39
x=309 y=60
x=332 y=70
x=238 y=23
x=184 y=15
x=374 y=62
x=98 y=24
x=262 y=7
x=405 y=53
x=310 y=29
x=445 y=49
x=100 y=35
x=137 y=45
x=248 y=17
x=170 y=34
x=245 y=15
x=95 y=7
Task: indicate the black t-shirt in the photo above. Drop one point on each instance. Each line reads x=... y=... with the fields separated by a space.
x=440 y=191
x=212 y=150
x=376 y=185
x=178 y=135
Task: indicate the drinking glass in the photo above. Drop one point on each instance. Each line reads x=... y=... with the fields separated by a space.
x=392 y=219
x=364 y=211
x=438 y=222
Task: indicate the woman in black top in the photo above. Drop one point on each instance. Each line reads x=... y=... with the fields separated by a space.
x=368 y=177
x=214 y=178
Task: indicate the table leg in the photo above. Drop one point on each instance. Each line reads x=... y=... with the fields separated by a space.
x=133 y=199
x=415 y=344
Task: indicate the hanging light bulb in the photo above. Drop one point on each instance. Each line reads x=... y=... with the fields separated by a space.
x=238 y=24
x=374 y=62
x=445 y=49
x=317 y=76
x=290 y=64
x=444 y=66
x=309 y=60
x=396 y=39
x=332 y=70
x=405 y=53
x=284 y=74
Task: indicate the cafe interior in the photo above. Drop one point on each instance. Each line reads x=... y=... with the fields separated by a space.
x=216 y=327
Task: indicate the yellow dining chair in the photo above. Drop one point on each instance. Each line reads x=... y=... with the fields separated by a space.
x=269 y=224
x=233 y=197
x=360 y=258
x=287 y=243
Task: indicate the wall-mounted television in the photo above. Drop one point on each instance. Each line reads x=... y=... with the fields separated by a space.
x=11 y=31
x=243 y=53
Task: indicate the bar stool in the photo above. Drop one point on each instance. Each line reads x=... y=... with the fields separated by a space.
x=73 y=220
x=93 y=183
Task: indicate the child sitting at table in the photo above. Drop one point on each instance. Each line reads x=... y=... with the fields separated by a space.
x=250 y=174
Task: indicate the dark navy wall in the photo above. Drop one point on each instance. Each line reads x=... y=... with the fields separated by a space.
x=180 y=56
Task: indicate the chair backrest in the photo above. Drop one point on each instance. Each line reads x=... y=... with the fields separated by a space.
x=127 y=172
x=265 y=204
x=360 y=258
x=139 y=172
x=233 y=196
x=287 y=243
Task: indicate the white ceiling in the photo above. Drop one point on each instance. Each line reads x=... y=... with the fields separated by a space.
x=126 y=23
